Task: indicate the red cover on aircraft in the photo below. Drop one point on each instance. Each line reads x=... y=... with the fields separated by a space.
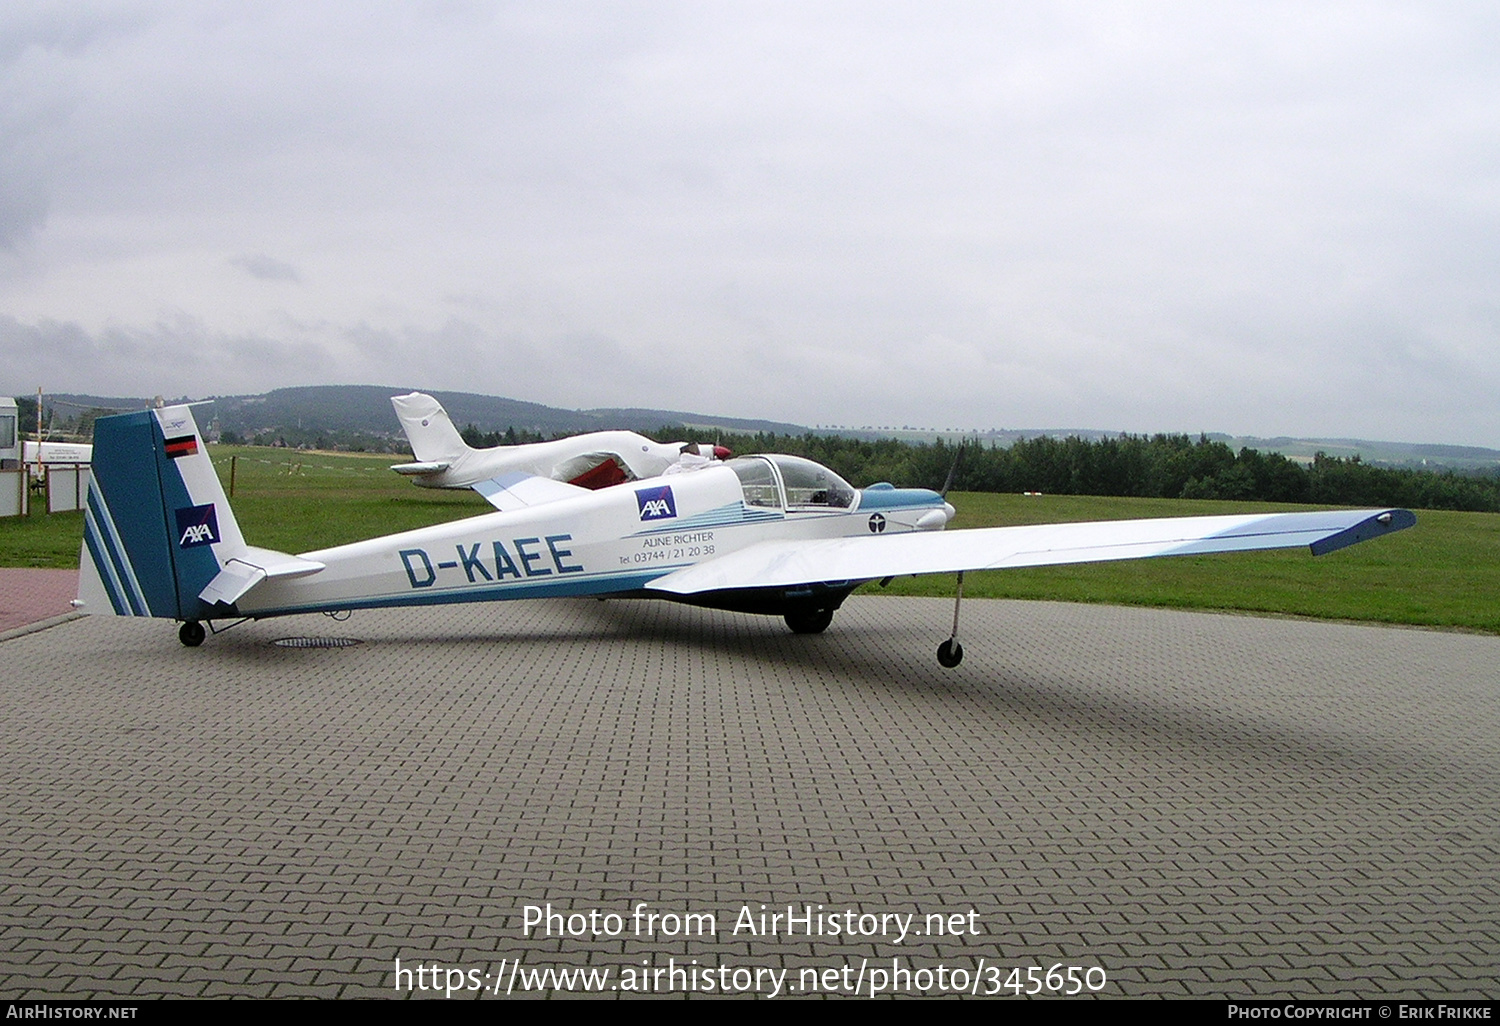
x=605 y=474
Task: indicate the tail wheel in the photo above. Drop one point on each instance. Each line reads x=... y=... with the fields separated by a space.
x=191 y=634
x=815 y=621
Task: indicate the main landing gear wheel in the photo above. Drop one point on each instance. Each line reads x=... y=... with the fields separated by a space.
x=814 y=622
x=191 y=634
x=950 y=653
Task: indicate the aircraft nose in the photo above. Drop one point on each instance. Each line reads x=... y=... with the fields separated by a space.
x=949 y=511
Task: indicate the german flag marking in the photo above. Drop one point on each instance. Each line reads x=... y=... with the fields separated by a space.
x=187 y=445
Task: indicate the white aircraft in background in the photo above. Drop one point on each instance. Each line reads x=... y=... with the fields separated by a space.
x=762 y=534
x=516 y=476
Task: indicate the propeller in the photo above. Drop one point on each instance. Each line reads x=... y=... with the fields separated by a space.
x=958 y=458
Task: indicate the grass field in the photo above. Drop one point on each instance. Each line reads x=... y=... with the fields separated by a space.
x=1445 y=572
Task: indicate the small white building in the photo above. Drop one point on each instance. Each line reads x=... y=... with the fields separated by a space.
x=13 y=478
x=10 y=434
x=59 y=471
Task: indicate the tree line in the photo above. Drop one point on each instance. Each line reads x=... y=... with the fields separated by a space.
x=1158 y=466
x=1155 y=466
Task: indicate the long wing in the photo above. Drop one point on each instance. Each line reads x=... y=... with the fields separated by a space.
x=786 y=563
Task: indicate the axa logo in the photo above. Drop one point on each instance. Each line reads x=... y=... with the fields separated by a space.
x=656 y=503
x=197 y=525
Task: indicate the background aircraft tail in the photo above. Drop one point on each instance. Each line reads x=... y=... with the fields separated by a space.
x=433 y=437
x=157 y=526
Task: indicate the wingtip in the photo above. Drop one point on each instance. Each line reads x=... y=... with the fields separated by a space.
x=1374 y=526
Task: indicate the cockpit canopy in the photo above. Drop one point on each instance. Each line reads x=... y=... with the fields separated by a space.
x=791 y=482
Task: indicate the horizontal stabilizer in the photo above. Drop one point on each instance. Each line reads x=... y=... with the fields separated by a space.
x=518 y=491
x=783 y=564
x=419 y=469
x=249 y=568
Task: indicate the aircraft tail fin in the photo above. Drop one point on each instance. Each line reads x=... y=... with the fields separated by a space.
x=431 y=433
x=157 y=526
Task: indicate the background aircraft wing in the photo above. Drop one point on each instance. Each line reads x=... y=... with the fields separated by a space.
x=786 y=563
x=518 y=491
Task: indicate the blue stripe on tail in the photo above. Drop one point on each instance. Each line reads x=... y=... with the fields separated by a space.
x=105 y=557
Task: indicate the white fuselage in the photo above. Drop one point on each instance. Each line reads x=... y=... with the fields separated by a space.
x=608 y=541
x=561 y=459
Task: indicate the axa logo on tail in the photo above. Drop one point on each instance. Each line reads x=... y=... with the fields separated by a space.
x=197 y=525
x=656 y=503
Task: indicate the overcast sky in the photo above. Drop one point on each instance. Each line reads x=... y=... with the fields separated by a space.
x=1254 y=218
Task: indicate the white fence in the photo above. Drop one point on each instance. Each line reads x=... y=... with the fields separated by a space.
x=14 y=492
x=67 y=486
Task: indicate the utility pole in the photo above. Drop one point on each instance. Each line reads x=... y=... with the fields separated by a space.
x=38 y=438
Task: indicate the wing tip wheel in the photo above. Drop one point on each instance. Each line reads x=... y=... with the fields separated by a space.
x=950 y=653
x=191 y=634
x=813 y=621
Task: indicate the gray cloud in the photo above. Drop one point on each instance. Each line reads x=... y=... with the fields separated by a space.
x=23 y=209
x=178 y=356
x=258 y=265
x=1276 y=219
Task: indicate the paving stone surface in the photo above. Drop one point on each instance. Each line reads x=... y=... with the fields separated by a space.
x=1197 y=804
x=31 y=595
